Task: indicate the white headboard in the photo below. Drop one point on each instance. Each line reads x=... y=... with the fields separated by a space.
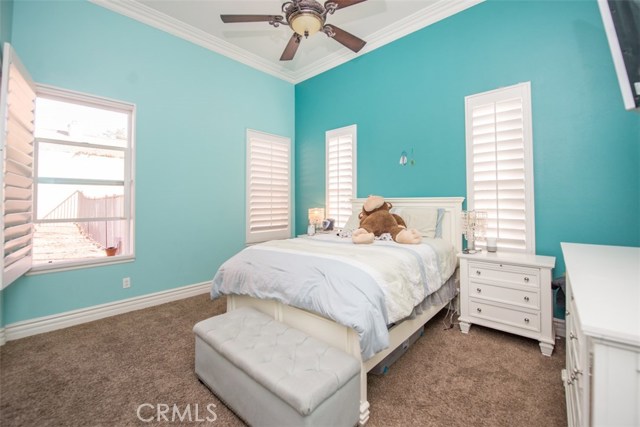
x=451 y=222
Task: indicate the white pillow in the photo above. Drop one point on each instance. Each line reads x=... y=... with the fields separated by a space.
x=425 y=220
x=353 y=223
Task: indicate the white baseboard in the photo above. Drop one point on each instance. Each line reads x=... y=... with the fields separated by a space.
x=559 y=325
x=40 y=325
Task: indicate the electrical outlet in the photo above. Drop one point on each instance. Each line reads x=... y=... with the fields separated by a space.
x=126 y=282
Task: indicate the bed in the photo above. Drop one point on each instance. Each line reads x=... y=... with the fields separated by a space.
x=365 y=299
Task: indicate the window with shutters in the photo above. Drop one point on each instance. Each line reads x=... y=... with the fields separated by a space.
x=500 y=164
x=66 y=175
x=268 y=187
x=340 y=173
x=17 y=106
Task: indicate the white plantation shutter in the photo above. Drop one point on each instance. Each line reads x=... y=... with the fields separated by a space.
x=16 y=132
x=341 y=173
x=268 y=187
x=500 y=164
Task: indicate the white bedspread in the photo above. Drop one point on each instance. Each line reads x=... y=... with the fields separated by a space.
x=365 y=287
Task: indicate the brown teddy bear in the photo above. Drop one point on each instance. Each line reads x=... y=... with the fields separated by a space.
x=375 y=220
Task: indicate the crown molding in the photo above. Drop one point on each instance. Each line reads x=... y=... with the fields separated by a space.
x=161 y=21
x=423 y=18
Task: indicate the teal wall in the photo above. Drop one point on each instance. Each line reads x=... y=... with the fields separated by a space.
x=6 y=15
x=193 y=108
x=410 y=95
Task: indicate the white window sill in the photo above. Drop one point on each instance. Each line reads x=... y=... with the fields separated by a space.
x=77 y=265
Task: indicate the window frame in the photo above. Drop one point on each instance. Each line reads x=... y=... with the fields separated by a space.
x=66 y=95
x=253 y=237
x=523 y=91
x=351 y=130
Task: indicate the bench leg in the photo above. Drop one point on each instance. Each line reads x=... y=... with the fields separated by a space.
x=364 y=413
x=364 y=403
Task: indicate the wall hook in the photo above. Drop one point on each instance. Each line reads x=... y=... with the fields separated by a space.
x=403 y=158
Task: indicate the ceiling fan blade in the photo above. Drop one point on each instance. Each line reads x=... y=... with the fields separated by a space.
x=344 y=3
x=292 y=47
x=346 y=39
x=229 y=19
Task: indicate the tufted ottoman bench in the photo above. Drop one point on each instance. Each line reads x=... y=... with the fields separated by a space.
x=273 y=375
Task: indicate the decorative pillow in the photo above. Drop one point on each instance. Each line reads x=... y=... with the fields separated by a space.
x=428 y=221
x=353 y=223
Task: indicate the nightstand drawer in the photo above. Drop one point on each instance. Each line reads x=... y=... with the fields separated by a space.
x=522 y=276
x=519 y=319
x=522 y=298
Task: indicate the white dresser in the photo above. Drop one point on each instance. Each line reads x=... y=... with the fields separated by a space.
x=510 y=292
x=602 y=376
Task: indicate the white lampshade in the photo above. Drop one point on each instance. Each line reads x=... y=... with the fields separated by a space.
x=306 y=24
x=316 y=215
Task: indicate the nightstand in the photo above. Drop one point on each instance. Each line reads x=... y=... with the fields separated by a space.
x=510 y=292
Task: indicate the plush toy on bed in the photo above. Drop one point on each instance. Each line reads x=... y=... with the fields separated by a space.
x=376 y=219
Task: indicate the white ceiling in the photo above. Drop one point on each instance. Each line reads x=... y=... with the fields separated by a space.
x=260 y=45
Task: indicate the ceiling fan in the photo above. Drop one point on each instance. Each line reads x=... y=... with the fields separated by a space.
x=305 y=17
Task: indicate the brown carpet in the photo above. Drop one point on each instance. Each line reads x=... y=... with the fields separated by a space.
x=100 y=373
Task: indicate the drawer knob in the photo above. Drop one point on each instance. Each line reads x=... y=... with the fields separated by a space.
x=478 y=290
x=479 y=310
x=526 y=280
x=478 y=272
x=572 y=336
x=576 y=371
x=526 y=320
x=526 y=299
x=569 y=382
x=566 y=313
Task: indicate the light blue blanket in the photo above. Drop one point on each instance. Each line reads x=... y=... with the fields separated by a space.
x=364 y=287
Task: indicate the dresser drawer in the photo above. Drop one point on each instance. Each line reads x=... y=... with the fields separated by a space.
x=574 y=350
x=574 y=409
x=575 y=337
x=522 y=276
x=504 y=294
x=574 y=376
x=507 y=316
x=575 y=341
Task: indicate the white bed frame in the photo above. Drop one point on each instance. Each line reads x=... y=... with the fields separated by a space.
x=344 y=337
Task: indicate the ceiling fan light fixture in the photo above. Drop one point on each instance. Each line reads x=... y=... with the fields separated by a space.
x=306 y=23
x=305 y=17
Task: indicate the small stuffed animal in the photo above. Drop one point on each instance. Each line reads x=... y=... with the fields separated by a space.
x=375 y=220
